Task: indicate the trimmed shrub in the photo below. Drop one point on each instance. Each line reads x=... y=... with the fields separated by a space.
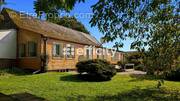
x=174 y=75
x=96 y=70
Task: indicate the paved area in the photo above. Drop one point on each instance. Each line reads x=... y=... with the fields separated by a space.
x=132 y=71
x=128 y=71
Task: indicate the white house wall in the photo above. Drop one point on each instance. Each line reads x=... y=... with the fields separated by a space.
x=8 y=43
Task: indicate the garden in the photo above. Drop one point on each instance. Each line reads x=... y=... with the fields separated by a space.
x=71 y=86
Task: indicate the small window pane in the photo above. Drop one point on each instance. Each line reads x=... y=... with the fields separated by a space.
x=70 y=51
x=22 y=50
x=32 y=49
x=57 y=50
x=89 y=54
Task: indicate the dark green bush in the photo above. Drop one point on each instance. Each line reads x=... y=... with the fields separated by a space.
x=13 y=71
x=96 y=70
x=174 y=75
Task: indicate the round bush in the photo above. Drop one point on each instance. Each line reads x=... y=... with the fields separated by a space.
x=96 y=70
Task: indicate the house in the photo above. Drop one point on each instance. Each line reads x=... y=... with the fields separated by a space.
x=35 y=44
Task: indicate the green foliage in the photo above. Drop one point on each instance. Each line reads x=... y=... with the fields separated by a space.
x=153 y=24
x=135 y=57
x=130 y=18
x=160 y=83
x=2 y=2
x=12 y=71
x=53 y=7
x=120 y=63
x=71 y=22
x=174 y=75
x=163 y=52
x=140 y=67
x=97 y=70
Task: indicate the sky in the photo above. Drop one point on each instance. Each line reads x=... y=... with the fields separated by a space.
x=82 y=11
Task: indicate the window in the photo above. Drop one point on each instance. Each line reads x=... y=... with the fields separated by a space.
x=89 y=53
x=32 y=49
x=22 y=50
x=99 y=54
x=70 y=51
x=57 y=50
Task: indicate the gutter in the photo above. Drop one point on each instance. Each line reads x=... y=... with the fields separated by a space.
x=44 y=57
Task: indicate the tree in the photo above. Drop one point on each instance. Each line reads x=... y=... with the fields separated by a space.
x=52 y=7
x=153 y=24
x=2 y=2
x=71 y=22
x=162 y=55
x=134 y=57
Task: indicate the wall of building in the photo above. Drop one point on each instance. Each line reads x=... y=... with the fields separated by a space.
x=8 y=44
x=54 y=63
x=24 y=36
x=59 y=63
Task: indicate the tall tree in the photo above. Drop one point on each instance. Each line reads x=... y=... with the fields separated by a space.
x=51 y=8
x=2 y=2
x=71 y=22
x=153 y=24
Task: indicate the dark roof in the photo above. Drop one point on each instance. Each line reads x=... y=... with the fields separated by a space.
x=49 y=29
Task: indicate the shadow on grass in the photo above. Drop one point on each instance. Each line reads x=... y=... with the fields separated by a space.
x=141 y=77
x=14 y=71
x=20 y=97
x=81 y=78
x=26 y=97
x=149 y=94
x=71 y=78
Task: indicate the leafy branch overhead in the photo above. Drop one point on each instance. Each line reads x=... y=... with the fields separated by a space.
x=133 y=18
x=53 y=6
x=153 y=24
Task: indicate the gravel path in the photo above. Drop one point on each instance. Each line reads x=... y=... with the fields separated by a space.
x=132 y=71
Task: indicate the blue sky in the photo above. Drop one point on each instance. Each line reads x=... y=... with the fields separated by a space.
x=82 y=9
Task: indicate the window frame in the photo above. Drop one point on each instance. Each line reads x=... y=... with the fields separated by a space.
x=24 y=49
x=99 y=56
x=60 y=55
x=89 y=54
x=35 y=51
x=71 y=47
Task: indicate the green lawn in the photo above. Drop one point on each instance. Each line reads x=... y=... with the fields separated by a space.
x=66 y=86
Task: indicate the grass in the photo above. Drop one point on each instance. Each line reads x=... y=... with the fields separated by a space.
x=67 y=87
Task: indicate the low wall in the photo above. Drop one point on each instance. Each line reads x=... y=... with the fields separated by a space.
x=7 y=63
